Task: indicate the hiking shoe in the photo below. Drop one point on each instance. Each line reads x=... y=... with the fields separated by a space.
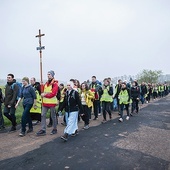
x=120 y=120
x=86 y=127
x=49 y=125
x=54 y=131
x=13 y=129
x=127 y=117
x=74 y=134
x=41 y=133
x=29 y=130
x=64 y=137
x=22 y=134
x=104 y=121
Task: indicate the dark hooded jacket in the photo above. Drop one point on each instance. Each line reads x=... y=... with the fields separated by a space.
x=11 y=94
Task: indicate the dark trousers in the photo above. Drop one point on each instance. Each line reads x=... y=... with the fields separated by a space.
x=135 y=103
x=126 y=108
x=9 y=112
x=111 y=106
x=155 y=95
x=148 y=98
x=96 y=109
x=90 y=110
x=85 y=117
x=106 y=109
x=26 y=117
x=1 y=117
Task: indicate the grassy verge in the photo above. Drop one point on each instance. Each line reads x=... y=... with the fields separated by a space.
x=18 y=112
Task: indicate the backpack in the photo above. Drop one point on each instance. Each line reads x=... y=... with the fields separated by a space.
x=19 y=88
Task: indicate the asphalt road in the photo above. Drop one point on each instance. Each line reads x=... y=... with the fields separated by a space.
x=142 y=143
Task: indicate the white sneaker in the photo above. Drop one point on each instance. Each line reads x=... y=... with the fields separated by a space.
x=120 y=120
x=127 y=117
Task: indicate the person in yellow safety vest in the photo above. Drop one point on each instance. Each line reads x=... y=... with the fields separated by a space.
x=49 y=101
x=124 y=100
x=36 y=111
x=160 y=90
x=106 y=99
x=155 y=91
x=86 y=97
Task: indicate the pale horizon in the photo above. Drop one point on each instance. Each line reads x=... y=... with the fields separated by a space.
x=84 y=38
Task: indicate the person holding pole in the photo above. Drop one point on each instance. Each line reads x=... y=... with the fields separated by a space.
x=49 y=101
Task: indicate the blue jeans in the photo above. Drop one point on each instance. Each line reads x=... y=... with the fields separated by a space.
x=1 y=116
x=9 y=112
x=26 y=117
x=142 y=98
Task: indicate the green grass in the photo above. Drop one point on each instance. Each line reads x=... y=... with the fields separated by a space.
x=18 y=112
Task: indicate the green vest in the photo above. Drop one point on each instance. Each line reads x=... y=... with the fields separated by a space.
x=105 y=96
x=123 y=97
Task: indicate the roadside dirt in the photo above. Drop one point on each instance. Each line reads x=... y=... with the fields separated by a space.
x=11 y=145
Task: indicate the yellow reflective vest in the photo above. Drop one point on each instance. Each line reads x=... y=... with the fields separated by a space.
x=38 y=104
x=48 y=89
x=124 y=97
x=105 y=96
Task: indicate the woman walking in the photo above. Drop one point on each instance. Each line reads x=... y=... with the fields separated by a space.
x=29 y=99
x=73 y=106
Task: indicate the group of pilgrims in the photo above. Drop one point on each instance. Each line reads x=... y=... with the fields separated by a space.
x=73 y=101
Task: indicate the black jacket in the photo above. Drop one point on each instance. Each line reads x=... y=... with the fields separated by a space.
x=10 y=94
x=143 y=90
x=72 y=102
x=135 y=92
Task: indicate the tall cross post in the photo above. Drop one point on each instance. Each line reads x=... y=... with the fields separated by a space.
x=40 y=48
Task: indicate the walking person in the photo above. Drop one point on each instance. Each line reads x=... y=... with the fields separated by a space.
x=86 y=96
x=49 y=102
x=72 y=106
x=36 y=111
x=96 y=88
x=143 y=92
x=106 y=99
x=135 y=96
x=124 y=100
x=155 y=91
x=11 y=100
x=2 y=127
x=29 y=99
x=116 y=94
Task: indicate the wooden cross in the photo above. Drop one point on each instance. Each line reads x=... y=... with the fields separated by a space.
x=40 y=50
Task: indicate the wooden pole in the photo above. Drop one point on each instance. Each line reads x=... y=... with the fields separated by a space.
x=40 y=50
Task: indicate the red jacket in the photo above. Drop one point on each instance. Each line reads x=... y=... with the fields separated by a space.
x=54 y=92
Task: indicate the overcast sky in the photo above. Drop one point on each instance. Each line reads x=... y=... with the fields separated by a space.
x=106 y=38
